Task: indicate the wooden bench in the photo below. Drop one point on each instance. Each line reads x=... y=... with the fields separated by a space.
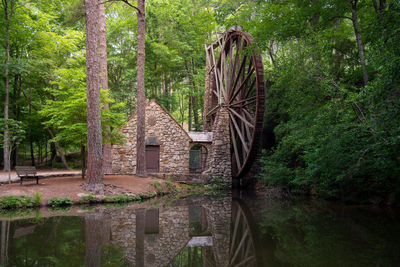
x=27 y=172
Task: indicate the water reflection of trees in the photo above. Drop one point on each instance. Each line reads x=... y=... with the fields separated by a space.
x=196 y=231
x=321 y=234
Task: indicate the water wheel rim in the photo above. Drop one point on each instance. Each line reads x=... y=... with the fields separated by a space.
x=241 y=167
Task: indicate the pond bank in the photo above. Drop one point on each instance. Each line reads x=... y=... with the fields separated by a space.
x=129 y=187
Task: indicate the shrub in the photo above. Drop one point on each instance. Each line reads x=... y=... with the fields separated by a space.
x=55 y=202
x=15 y=202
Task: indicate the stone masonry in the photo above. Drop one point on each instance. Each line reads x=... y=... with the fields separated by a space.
x=164 y=131
x=220 y=156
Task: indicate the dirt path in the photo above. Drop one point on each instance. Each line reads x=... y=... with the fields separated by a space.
x=72 y=187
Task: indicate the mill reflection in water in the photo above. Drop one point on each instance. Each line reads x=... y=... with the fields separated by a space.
x=205 y=231
x=194 y=231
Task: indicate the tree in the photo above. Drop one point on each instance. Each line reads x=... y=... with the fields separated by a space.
x=8 y=9
x=107 y=160
x=15 y=134
x=95 y=173
x=141 y=97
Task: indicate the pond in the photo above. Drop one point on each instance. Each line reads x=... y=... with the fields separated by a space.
x=236 y=229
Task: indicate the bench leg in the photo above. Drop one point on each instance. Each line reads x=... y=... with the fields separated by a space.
x=20 y=181
x=37 y=179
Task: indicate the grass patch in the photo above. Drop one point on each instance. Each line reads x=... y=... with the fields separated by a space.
x=171 y=187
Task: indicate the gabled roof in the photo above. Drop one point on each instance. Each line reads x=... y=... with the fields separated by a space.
x=148 y=102
x=201 y=137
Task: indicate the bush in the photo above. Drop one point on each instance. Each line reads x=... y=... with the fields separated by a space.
x=55 y=202
x=17 y=202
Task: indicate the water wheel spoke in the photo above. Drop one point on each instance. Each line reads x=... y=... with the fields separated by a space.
x=249 y=115
x=238 y=76
x=225 y=74
x=242 y=85
x=244 y=102
x=243 y=119
x=230 y=68
x=221 y=89
x=250 y=89
x=235 y=148
x=214 y=110
x=213 y=64
x=238 y=131
x=238 y=48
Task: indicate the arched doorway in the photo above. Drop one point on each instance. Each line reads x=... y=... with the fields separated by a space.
x=197 y=158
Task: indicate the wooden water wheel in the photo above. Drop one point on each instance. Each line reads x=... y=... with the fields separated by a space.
x=238 y=86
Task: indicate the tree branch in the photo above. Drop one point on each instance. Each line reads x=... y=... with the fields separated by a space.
x=132 y=6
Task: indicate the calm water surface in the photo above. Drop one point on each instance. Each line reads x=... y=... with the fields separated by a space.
x=204 y=231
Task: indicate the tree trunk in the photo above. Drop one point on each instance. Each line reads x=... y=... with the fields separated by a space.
x=6 y=86
x=83 y=152
x=46 y=151
x=32 y=151
x=31 y=140
x=104 y=79
x=58 y=148
x=95 y=181
x=53 y=153
x=141 y=98
x=360 y=45
x=194 y=98
x=190 y=114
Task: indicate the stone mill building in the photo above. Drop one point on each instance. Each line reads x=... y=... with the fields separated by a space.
x=170 y=150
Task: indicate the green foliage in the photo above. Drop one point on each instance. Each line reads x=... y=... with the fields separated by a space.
x=17 y=202
x=219 y=183
x=334 y=137
x=171 y=187
x=57 y=202
x=121 y=198
x=37 y=198
x=157 y=186
x=89 y=199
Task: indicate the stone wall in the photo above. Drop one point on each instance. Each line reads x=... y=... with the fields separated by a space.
x=128 y=231
x=173 y=141
x=162 y=248
x=220 y=156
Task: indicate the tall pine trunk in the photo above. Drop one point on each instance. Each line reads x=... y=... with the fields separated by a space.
x=95 y=175
x=104 y=79
x=141 y=98
x=360 y=45
x=7 y=17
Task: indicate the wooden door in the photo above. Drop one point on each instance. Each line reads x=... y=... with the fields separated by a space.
x=152 y=159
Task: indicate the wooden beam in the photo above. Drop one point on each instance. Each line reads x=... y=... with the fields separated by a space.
x=248 y=100
x=242 y=84
x=239 y=133
x=237 y=158
x=241 y=117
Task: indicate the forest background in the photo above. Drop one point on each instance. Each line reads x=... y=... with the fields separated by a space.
x=332 y=68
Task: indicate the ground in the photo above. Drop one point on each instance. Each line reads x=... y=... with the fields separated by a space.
x=72 y=186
